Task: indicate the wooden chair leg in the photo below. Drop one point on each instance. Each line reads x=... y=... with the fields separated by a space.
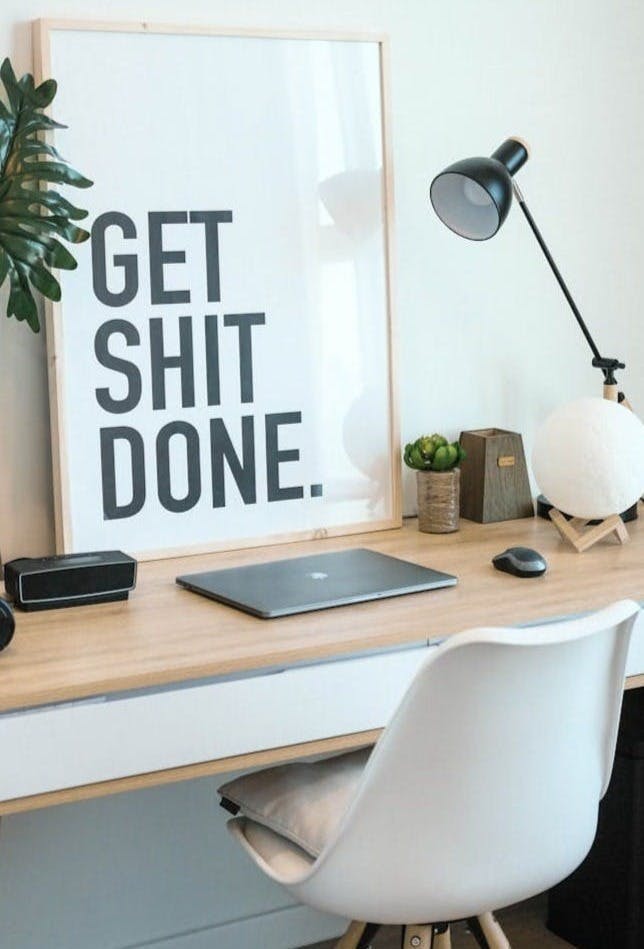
x=358 y=935
x=494 y=935
x=442 y=940
x=352 y=936
x=418 y=937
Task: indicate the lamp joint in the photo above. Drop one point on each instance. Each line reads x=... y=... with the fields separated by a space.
x=608 y=367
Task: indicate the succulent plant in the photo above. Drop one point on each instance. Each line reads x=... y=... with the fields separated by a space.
x=433 y=453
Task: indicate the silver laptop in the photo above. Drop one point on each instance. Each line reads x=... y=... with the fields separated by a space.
x=300 y=584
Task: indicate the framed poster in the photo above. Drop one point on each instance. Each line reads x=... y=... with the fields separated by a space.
x=221 y=362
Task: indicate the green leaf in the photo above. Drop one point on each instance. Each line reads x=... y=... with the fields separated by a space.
x=52 y=171
x=5 y=264
x=21 y=302
x=30 y=249
x=45 y=282
x=44 y=93
x=446 y=457
x=40 y=148
x=25 y=223
x=37 y=122
x=5 y=145
x=26 y=84
x=71 y=233
x=21 y=247
x=51 y=200
x=11 y=85
x=31 y=217
x=440 y=461
x=57 y=254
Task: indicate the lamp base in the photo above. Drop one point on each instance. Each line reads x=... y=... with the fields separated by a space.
x=544 y=507
x=581 y=535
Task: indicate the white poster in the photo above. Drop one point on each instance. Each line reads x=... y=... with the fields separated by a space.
x=222 y=353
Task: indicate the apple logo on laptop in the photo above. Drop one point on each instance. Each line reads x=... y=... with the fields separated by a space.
x=317 y=575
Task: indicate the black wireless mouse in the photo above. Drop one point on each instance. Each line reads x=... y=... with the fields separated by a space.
x=521 y=562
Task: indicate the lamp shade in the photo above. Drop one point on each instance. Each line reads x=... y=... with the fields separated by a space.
x=473 y=196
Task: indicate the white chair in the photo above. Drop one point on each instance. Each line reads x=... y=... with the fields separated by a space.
x=482 y=791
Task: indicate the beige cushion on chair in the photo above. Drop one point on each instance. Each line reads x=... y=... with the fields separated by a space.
x=283 y=857
x=304 y=801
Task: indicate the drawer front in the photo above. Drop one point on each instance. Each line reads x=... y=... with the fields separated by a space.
x=82 y=743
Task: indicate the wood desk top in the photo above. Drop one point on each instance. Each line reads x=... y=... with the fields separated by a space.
x=165 y=634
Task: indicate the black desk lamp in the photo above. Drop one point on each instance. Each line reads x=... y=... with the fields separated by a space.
x=473 y=197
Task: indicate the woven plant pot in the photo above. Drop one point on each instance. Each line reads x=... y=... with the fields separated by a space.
x=438 y=500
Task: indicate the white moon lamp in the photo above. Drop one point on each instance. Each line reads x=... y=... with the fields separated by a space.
x=588 y=459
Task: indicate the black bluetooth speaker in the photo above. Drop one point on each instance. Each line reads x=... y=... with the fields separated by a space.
x=45 y=583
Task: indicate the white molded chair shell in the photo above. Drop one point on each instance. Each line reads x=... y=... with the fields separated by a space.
x=484 y=788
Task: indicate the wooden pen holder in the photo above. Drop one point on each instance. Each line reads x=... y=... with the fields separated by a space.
x=494 y=476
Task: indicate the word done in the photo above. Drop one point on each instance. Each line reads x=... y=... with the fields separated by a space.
x=182 y=437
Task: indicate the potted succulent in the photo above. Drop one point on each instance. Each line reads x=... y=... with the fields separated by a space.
x=436 y=462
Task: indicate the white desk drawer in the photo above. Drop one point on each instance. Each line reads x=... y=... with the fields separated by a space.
x=69 y=745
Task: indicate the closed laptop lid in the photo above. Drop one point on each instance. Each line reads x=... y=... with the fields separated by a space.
x=300 y=584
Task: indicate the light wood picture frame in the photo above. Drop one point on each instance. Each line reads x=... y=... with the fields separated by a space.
x=222 y=365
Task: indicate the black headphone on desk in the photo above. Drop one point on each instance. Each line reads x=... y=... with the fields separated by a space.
x=7 y=624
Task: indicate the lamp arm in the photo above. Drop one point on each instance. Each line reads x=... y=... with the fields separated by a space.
x=608 y=366
x=560 y=280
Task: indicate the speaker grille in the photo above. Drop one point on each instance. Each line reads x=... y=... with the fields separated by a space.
x=77 y=581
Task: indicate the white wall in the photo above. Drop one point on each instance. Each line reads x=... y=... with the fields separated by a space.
x=485 y=337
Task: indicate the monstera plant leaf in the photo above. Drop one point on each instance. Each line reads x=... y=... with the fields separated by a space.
x=32 y=218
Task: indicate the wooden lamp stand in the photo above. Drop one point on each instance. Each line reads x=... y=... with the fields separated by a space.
x=577 y=532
